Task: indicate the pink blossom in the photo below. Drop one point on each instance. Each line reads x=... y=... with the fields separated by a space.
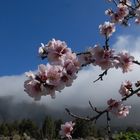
x=70 y=67
x=107 y=29
x=125 y=61
x=67 y=80
x=66 y=130
x=123 y=111
x=33 y=88
x=122 y=12
x=125 y=88
x=117 y=108
x=102 y=57
x=54 y=73
x=112 y=103
x=97 y=52
x=56 y=49
x=42 y=74
x=85 y=59
x=71 y=64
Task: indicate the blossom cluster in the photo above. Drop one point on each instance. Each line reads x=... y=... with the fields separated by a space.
x=106 y=58
x=57 y=74
x=120 y=14
x=118 y=108
x=125 y=10
x=107 y=29
x=125 y=88
x=64 y=64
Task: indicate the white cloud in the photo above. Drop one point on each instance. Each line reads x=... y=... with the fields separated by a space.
x=83 y=88
x=13 y=86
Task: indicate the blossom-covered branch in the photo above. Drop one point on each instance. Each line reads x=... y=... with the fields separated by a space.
x=64 y=65
x=126 y=91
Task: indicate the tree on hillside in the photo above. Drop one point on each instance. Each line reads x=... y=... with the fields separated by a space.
x=48 y=128
x=28 y=127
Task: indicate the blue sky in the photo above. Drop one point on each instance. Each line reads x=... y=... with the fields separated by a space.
x=25 y=24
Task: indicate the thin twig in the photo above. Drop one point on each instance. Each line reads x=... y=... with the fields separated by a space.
x=83 y=53
x=106 y=42
x=94 y=108
x=136 y=62
x=115 y=2
x=96 y=117
x=101 y=76
x=88 y=63
x=131 y=94
x=76 y=116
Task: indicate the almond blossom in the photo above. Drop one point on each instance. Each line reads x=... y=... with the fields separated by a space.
x=125 y=88
x=117 y=108
x=85 y=59
x=66 y=130
x=102 y=57
x=123 y=111
x=125 y=61
x=54 y=50
x=33 y=88
x=122 y=10
x=54 y=73
x=107 y=29
x=42 y=74
x=120 y=14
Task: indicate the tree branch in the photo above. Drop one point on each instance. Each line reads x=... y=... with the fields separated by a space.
x=83 y=53
x=76 y=116
x=94 y=108
x=101 y=76
x=115 y=2
x=136 y=62
x=100 y=113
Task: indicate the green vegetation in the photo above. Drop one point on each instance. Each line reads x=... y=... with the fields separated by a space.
x=27 y=129
x=128 y=136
